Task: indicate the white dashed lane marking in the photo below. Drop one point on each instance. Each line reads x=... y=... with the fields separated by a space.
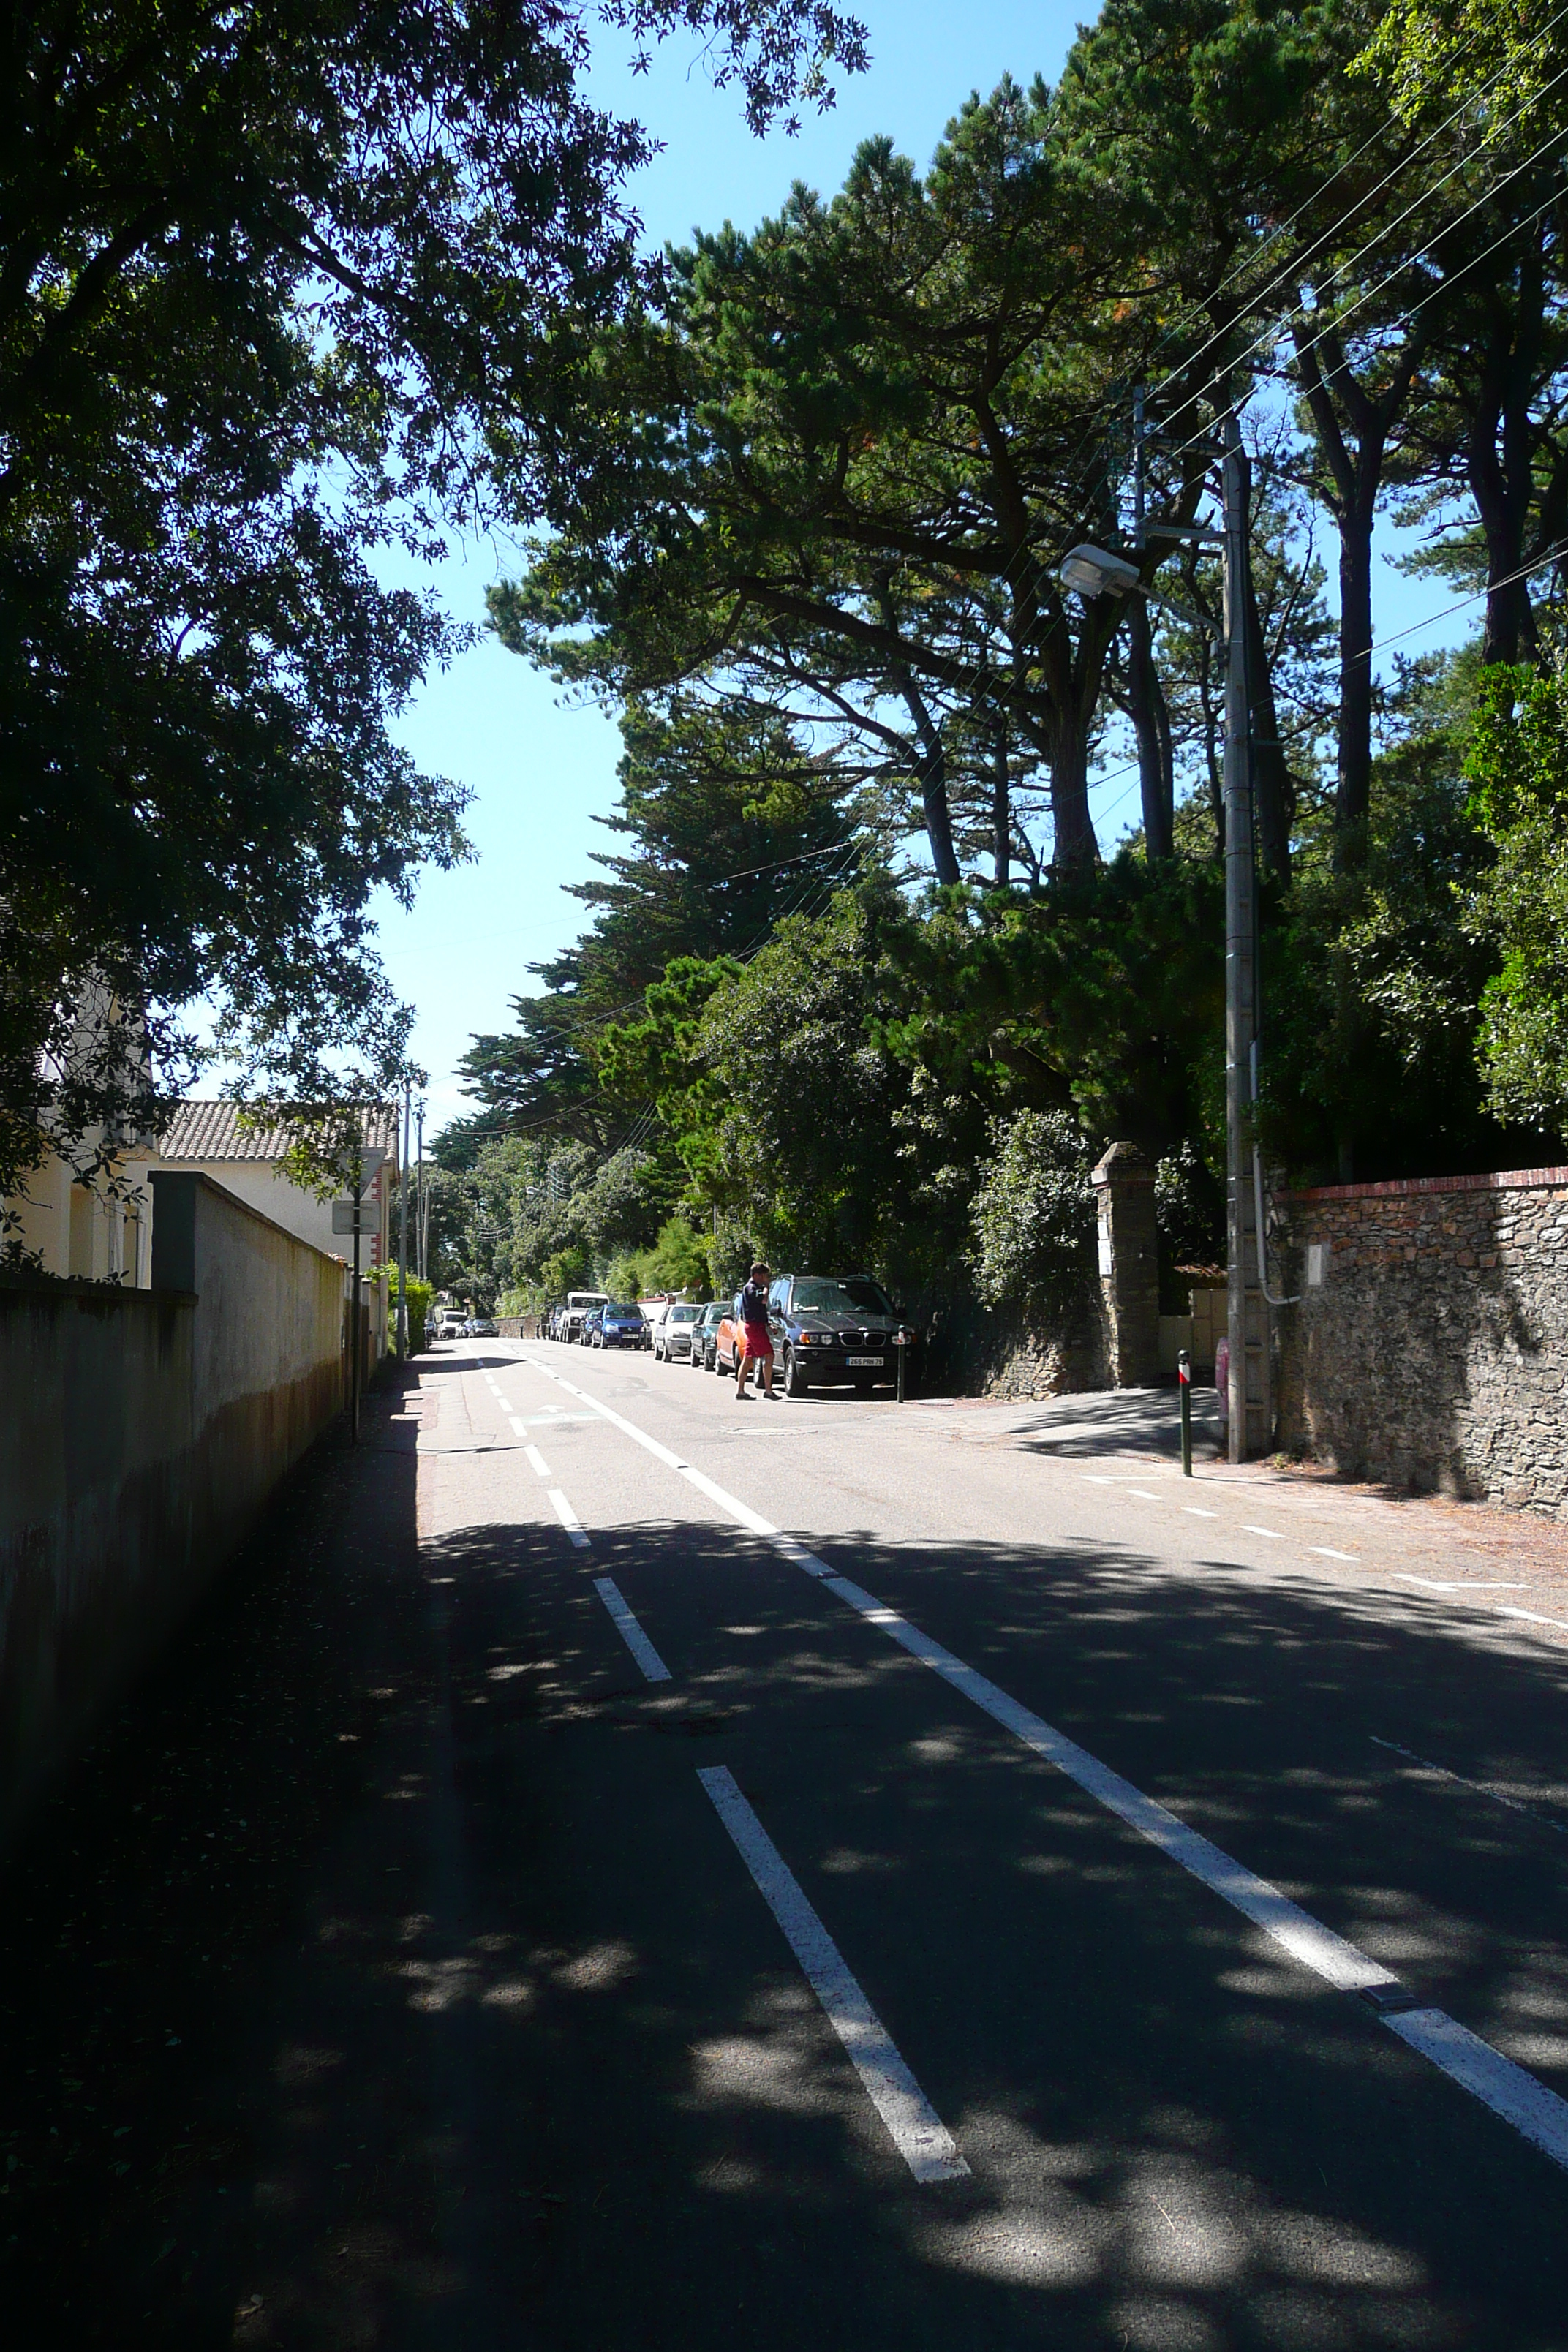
x=1508 y=2090
x=631 y=1633
x=915 y=2128
x=568 y=1518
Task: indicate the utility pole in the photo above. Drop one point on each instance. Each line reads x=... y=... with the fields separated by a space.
x=403 y=1232
x=423 y=1249
x=1251 y=1417
x=1091 y=571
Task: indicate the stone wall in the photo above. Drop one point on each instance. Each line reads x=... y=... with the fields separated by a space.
x=1107 y=1336
x=1430 y=1345
x=141 y=1430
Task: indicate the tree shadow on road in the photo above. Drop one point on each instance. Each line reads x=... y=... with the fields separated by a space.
x=390 y=1927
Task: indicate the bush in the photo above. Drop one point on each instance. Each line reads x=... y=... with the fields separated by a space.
x=1034 y=1215
x=421 y=1299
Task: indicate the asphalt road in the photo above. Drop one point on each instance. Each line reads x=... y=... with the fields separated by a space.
x=803 y=1873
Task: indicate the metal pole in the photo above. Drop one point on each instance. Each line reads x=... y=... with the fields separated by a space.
x=424 y=1254
x=1185 y=1383
x=1250 y=1416
x=403 y=1231
x=354 y=1368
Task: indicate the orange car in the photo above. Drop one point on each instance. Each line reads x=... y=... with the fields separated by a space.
x=727 y=1347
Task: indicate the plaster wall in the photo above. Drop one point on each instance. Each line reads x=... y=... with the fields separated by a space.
x=140 y=1431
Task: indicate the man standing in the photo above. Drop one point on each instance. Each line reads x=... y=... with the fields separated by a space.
x=756 y=1346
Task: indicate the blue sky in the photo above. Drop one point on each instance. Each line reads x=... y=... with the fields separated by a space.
x=540 y=773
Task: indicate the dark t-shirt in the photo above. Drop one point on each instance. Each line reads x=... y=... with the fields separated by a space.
x=754 y=1304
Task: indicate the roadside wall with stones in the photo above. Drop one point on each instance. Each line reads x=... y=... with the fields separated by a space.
x=1430 y=1345
x=1107 y=1336
x=975 y=1350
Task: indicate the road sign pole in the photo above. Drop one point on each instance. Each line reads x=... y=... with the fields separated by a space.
x=354 y=1306
x=403 y=1231
x=1184 y=1381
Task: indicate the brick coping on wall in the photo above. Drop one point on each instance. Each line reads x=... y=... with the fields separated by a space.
x=1511 y=1180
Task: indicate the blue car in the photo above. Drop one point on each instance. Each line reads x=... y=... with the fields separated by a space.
x=619 y=1326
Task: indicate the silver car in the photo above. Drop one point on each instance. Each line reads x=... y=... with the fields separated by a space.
x=672 y=1341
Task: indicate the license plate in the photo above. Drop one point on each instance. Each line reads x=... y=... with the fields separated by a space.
x=865 y=1363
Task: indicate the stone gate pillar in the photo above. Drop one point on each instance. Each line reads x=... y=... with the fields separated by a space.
x=1128 y=1266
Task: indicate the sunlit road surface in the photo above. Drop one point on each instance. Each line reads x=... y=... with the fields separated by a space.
x=799 y=1874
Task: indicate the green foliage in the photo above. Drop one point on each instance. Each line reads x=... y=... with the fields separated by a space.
x=679 y=1260
x=1034 y=1215
x=1517 y=767
x=1372 y=976
x=1501 y=55
x=791 y=1126
x=1101 y=996
x=279 y=286
x=731 y=824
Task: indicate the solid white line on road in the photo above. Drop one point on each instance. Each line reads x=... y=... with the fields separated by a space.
x=1562 y=1622
x=1306 y=1938
x=1461 y=1583
x=1193 y=1512
x=1441 y=1773
x=631 y=1633
x=917 y=2131
x=1501 y=2085
x=1273 y=1534
x=743 y=1516
x=568 y=1518
x=537 y=1460
x=1507 y=2089
x=1326 y=1552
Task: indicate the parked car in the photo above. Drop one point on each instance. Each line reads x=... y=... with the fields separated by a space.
x=829 y=1330
x=589 y=1331
x=578 y=1302
x=481 y=1327
x=654 y=1311
x=672 y=1341
x=621 y=1327
x=705 y=1336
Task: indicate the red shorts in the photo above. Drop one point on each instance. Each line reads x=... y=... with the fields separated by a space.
x=755 y=1345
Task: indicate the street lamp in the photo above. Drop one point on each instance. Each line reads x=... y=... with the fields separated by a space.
x=1094 y=572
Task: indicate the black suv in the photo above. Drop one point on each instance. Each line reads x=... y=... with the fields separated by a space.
x=832 y=1328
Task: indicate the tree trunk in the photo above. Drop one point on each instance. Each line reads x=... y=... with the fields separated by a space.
x=1352 y=796
x=1152 y=727
x=1273 y=786
x=1073 y=849
x=1354 y=459
x=932 y=772
x=931 y=775
x=1001 y=810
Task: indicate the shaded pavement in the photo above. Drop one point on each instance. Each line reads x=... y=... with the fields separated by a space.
x=386 y=1978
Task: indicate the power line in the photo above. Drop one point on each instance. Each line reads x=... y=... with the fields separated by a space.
x=1298 y=310
x=1301 y=261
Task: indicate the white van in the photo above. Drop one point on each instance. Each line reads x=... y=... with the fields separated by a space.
x=578 y=1305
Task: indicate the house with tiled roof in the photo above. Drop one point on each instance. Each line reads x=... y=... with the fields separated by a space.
x=248 y=1160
